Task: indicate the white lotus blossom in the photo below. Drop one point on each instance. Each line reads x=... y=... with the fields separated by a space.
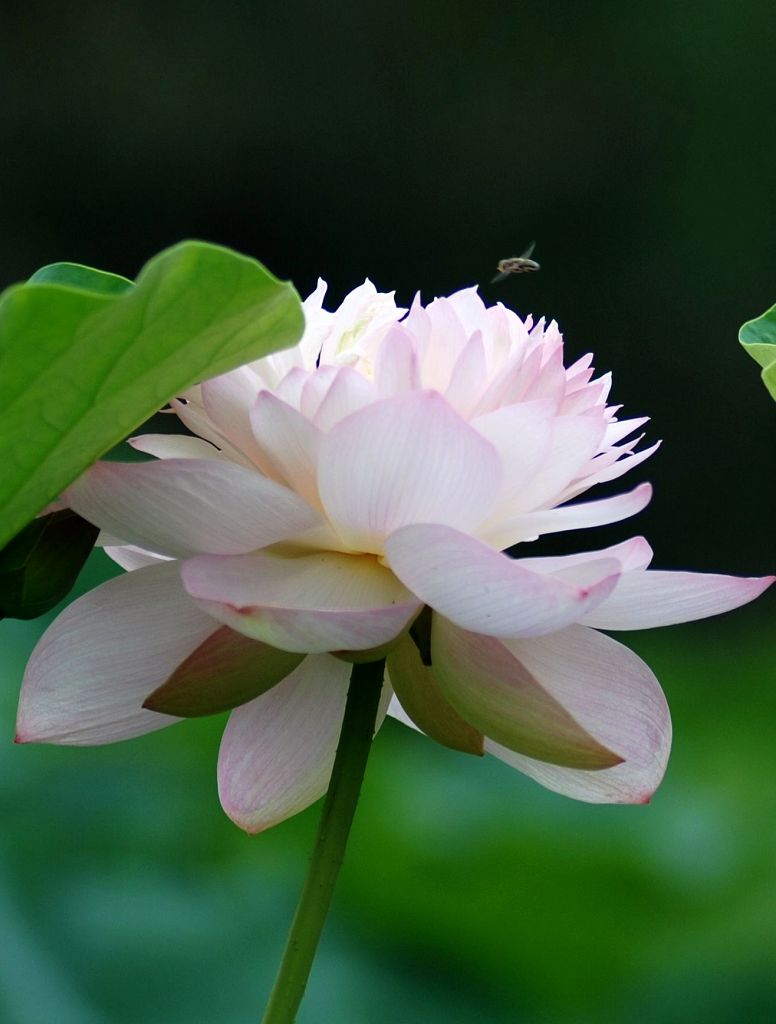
x=353 y=497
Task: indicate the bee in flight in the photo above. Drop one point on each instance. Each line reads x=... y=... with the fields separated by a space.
x=517 y=265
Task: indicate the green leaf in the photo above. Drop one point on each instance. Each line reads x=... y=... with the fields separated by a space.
x=82 y=277
x=84 y=358
x=759 y=339
x=40 y=565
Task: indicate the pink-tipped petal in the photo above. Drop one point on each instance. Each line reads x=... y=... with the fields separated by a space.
x=507 y=700
x=643 y=600
x=631 y=554
x=101 y=657
x=278 y=751
x=484 y=591
x=313 y=603
x=181 y=507
x=405 y=459
x=225 y=671
x=614 y=694
x=568 y=517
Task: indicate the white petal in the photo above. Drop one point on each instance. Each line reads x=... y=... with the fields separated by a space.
x=568 y=517
x=613 y=694
x=290 y=443
x=469 y=308
x=468 y=377
x=487 y=592
x=175 y=446
x=321 y=602
x=130 y=557
x=97 y=662
x=184 y=506
x=396 y=365
x=349 y=391
x=642 y=600
x=574 y=441
x=192 y=414
x=405 y=459
x=521 y=435
x=630 y=554
x=277 y=752
x=621 y=463
x=228 y=400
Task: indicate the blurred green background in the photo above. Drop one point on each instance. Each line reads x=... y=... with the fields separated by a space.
x=420 y=143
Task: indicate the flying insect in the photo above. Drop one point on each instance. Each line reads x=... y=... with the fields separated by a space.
x=517 y=265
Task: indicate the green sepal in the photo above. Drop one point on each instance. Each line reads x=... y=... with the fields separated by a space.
x=225 y=671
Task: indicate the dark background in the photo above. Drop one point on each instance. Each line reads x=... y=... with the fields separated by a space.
x=418 y=144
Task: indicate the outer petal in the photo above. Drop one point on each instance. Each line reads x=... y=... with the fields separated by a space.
x=642 y=600
x=486 y=592
x=424 y=701
x=97 y=662
x=313 y=603
x=181 y=507
x=405 y=459
x=568 y=517
x=511 y=702
x=225 y=671
x=614 y=694
x=278 y=751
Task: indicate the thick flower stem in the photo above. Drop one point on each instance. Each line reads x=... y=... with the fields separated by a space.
x=347 y=775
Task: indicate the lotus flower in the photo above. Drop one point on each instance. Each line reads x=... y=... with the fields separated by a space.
x=352 y=498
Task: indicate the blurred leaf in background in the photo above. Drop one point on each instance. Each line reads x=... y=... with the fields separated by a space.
x=469 y=894
x=758 y=337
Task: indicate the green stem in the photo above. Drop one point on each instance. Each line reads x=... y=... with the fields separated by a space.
x=347 y=775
